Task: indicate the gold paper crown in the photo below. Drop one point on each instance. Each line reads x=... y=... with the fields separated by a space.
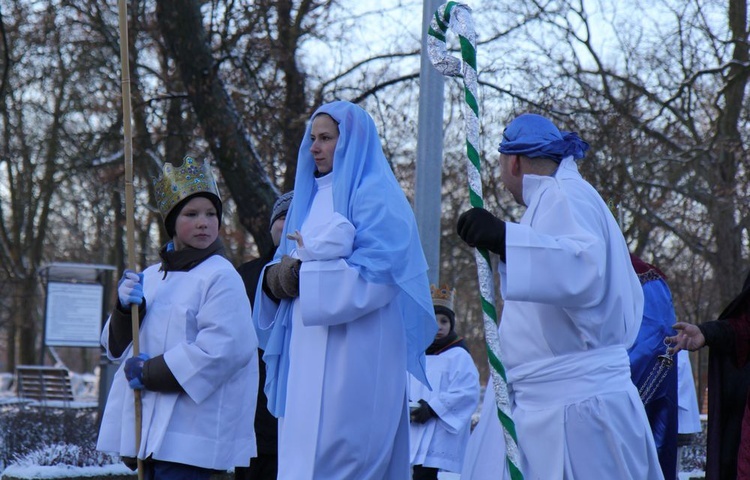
x=176 y=184
x=443 y=296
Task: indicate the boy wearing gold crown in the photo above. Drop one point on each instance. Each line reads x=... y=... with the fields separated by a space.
x=441 y=417
x=198 y=372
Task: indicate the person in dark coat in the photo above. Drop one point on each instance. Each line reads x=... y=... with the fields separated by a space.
x=728 y=438
x=265 y=465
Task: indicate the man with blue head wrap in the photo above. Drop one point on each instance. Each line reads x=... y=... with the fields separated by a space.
x=572 y=306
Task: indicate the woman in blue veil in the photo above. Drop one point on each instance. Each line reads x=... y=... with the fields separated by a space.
x=345 y=308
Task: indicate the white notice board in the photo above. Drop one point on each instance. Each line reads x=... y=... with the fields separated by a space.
x=74 y=314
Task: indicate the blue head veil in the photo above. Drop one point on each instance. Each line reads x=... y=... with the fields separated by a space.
x=386 y=249
x=535 y=136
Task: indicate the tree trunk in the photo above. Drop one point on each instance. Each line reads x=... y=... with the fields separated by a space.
x=181 y=24
x=727 y=261
x=26 y=322
x=295 y=112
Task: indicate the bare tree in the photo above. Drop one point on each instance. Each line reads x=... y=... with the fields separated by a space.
x=38 y=151
x=5 y=55
x=664 y=109
x=253 y=192
x=661 y=98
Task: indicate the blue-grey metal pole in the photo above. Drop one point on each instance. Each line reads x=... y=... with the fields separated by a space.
x=429 y=151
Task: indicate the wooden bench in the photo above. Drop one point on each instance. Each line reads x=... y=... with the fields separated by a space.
x=43 y=384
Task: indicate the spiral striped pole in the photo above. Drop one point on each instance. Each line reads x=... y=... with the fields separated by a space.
x=457 y=17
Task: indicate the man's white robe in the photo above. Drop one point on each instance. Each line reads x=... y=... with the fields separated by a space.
x=441 y=441
x=572 y=307
x=485 y=451
x=346 y=407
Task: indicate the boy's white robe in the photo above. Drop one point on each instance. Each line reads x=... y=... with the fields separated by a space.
x=572 y=306
x=201 y=321
x=346 y=409
x=441 y=441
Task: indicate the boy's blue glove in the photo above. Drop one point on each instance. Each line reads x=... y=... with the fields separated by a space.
x=134 y=371
x=130 y=289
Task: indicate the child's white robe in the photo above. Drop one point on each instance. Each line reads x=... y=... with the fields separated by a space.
x=441 y=441
x=201 y=321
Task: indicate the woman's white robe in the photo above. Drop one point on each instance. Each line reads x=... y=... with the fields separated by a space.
x=201 y=321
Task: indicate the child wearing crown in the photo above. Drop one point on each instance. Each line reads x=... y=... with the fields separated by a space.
x=198 y=372
x=441 y=418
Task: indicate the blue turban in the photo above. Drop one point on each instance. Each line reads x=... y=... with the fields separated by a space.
x=534 y=136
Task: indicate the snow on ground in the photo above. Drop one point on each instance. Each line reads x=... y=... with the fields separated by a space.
x=690 y=475
x=65 y=470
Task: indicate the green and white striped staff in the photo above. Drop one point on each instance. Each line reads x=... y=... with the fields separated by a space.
x=457 y=17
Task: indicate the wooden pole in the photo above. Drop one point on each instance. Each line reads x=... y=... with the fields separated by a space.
x=129 y=204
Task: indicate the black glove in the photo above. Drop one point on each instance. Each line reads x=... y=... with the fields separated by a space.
x=130 y=462
x=423 y=413
x=481 y=229
x=282 y=278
